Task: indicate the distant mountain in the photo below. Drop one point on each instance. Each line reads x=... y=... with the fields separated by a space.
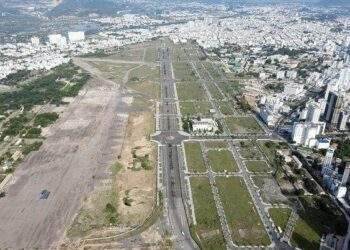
x=345 y=3
x=84 y=7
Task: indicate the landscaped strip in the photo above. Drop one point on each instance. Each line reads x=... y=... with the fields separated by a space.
x=242 y=217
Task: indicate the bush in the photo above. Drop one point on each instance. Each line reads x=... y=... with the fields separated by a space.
x=45 y=119
x=15 y=125
x=110 y=208
x=33 y=133
x=31 y=147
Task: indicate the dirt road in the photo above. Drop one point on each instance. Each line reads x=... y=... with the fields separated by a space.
x=75 y=156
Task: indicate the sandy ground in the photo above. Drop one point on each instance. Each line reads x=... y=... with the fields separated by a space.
x=137 y=185
x=80 y=146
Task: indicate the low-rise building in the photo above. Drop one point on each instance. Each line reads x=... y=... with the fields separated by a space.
x=204 y=125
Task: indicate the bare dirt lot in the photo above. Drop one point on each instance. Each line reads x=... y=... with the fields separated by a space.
x=78 y=152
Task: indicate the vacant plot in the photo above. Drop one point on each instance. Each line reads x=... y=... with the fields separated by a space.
x=222 y=160
x=145 y=80
x=151 y=54
x=190 y=91
x=243 y=125
x=249 y=150
x=242 y=217
x=184 y=73
x=269 y=189
x=257 y=166
x=99 y=211
x=226 y=108
x=280 y=216
x=114 y=71
x=127 y=54
x=195 y=108
x=208 y=230
x=194 y=158
x=216 y=144
x=215 y=93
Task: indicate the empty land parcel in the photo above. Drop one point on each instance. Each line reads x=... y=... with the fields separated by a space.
x=79 y=155
x=87 y=135
x=243 y=219
x=134 y=183
x=207 y=231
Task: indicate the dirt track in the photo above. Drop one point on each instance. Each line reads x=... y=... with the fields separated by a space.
x=77 y=153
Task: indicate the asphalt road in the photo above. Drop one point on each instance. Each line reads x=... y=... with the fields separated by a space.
x=170 y=139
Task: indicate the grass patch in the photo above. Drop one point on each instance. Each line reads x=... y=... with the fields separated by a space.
x=116 y=167
x=145 y=80
x=257 y=166
x=190 y=91
x=225 y=108
x=208 y=229
x=99 y=213
x=195 y=108
x=243 y=125
x=151 y=54
x=100 y=210
x=194 y=158
x=242 y=217
x=183 y=72
x=249 y=150
x=280 y=216
x=215 y=93
x=216 y=144
x=221 y=160
x=128 y=54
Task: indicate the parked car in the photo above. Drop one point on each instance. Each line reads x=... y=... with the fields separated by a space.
x=44 y=194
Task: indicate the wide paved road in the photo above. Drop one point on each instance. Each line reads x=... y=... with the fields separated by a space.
x=170 y=141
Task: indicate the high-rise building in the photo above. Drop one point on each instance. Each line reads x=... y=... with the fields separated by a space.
x=346 y=174
x=333 y=108
x=305 y=133
x=298 y=133
x=327 y=162
x=314 y=112
x=343 y=120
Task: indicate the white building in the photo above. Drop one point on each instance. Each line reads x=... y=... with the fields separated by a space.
x=305 y=133
x=323 y=143
x=35 y=41
x=293 y=89
x=57 y=39
x=327 y=162
x=76 y=36
x=204 y=125
x=313 y=112
x=298 y=132
x=281 y=75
